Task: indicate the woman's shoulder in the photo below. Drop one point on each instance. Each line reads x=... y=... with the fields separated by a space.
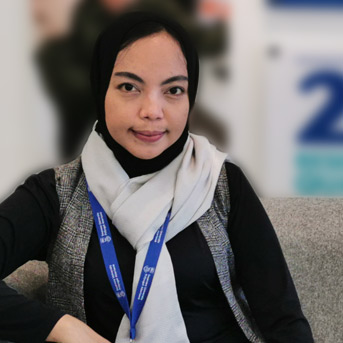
x=227 y=184
x=68 y=175
x=47 y=180
x=39 y=184
x=232 y=169
x=239 y=186
x=230 y=175
x=69 y=170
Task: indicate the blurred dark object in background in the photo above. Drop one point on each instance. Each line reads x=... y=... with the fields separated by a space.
x=64 y=62
x=201 y=122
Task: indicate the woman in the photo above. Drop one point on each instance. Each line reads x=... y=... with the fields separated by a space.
x=213 y=262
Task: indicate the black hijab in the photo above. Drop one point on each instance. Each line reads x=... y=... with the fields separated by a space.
x=106 y=49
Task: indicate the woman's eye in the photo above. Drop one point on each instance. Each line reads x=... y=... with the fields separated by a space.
x=176 y=90
x=128 y=87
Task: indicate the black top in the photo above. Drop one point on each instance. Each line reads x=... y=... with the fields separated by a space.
x=260 y=265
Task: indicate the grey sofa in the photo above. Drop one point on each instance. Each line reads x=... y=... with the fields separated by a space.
x=311 y=235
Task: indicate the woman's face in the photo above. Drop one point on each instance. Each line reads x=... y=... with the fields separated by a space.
x=146 y=104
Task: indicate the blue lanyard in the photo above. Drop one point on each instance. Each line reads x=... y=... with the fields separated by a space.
x=112 y=265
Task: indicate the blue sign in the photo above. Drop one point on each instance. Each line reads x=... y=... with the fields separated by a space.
x=319 y=159
x=308 y=3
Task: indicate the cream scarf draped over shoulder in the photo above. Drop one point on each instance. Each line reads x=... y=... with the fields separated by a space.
x=138 y=207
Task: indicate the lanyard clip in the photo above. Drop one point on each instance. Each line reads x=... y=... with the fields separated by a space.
x=132 y=334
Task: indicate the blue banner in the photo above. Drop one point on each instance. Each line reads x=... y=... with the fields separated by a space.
x=308 y=3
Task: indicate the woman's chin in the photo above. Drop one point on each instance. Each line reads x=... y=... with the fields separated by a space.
x=146 y=155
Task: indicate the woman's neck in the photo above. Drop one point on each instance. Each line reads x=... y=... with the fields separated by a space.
x=135 y=166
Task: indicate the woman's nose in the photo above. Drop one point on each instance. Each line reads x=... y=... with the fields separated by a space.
x=151 y=107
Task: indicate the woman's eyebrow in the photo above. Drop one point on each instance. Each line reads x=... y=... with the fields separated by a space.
x=175 y=78
x=129 y=75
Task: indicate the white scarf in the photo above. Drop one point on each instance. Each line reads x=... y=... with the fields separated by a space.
x=138 y=207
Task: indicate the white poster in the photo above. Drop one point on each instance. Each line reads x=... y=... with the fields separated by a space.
x=304 y=119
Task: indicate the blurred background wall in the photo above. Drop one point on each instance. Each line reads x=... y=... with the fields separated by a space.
x=27 y=124
x=271 y=90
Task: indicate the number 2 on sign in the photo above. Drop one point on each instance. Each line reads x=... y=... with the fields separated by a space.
x=321 y=129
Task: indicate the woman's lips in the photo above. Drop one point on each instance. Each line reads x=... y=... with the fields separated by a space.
x=148 y=136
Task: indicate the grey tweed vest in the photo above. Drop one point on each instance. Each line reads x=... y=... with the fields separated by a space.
x=67 y=252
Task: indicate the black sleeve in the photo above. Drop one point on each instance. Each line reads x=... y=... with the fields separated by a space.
x=28 y=219
x=261 y=267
